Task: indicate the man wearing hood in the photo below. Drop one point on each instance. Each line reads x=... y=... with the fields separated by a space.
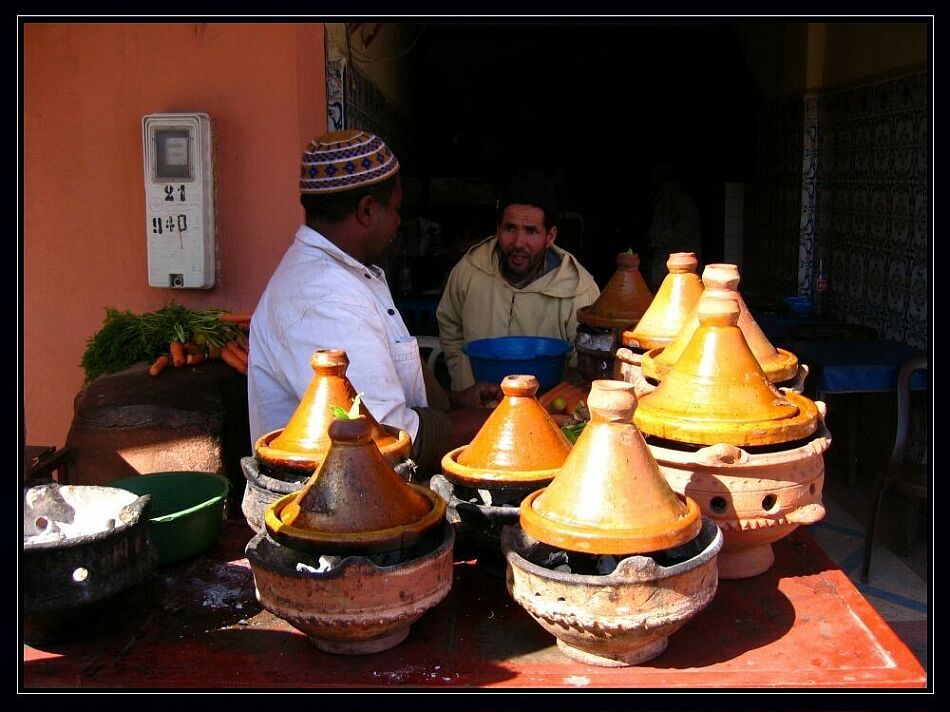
x=515 y=283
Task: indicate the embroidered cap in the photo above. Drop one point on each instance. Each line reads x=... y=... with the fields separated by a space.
x=341 y=160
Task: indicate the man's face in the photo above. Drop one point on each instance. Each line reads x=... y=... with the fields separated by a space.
x=522 y=239
x=386 y=221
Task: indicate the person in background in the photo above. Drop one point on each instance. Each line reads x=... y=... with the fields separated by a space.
x=516 y=282
x=675 y=223
x=327 y=293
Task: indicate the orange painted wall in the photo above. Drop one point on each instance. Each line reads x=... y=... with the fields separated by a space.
x=83 y=241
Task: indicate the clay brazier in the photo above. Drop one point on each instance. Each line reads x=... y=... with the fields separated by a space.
x=749 y=453
x=358 y=555
x=654 y=558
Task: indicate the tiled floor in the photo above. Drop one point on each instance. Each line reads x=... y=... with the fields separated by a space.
x=898 y=584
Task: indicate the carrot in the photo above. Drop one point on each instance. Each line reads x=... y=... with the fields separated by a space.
x=214 y=352
x=233 y=361
x=192 y=348
x=194 y=359
x=159 y=365
x=235 y=317
x=178 y=353
x=236 y=349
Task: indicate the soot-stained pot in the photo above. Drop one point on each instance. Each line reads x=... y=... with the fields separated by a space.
x=83 y=546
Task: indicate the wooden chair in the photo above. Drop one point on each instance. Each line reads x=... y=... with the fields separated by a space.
x=909 y=479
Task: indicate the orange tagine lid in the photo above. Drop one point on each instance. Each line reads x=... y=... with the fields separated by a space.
x=624 y=299
x=779 y=365
x=355 y=503
x=717 y=392
x=610 y=497
x=519 y=444
x=672 y=306
x=302 y=444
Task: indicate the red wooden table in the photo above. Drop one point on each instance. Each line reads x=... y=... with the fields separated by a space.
x=197 y=625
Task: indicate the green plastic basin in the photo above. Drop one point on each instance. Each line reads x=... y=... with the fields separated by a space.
x=186 y=513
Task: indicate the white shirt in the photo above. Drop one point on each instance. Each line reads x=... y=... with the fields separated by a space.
x=320 y=297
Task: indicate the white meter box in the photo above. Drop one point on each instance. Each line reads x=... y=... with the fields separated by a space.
x=179 y=200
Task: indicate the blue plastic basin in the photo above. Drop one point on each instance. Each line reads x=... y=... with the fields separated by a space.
x=541 y=357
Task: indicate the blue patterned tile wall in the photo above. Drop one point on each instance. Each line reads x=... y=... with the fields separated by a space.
x=873 y=211
x=847 y=172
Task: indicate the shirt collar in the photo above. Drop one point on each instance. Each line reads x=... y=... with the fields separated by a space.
x=311 y=237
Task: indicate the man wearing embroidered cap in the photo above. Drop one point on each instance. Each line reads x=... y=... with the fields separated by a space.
x=328 y=293
x=516 y=282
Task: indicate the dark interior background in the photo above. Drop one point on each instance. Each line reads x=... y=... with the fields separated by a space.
x=593 y=105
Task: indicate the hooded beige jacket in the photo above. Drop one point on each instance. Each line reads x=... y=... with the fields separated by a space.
x=478 y=303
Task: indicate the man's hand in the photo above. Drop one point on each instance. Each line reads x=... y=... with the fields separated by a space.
x=480 y=395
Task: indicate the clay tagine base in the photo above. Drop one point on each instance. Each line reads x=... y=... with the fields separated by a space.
x=746 y=563
x=756 y=498
x=353 y=605
x=479 y=516
x=620 y=619
x=263 y=488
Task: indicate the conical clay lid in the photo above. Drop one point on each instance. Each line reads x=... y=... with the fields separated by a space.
x=624 y=299
x=610 y=497
x=518 y=444
x=672 y=306
x=779 y=365
x=303 y=443
x=355 y=502
x=717 y=392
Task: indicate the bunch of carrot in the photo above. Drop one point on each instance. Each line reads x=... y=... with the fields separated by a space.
x=207 y=343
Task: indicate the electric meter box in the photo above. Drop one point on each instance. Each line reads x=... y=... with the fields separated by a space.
x=179 y=200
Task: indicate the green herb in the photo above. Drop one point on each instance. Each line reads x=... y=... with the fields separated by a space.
x=126 y=338
x=353 y=413
x=573 y=431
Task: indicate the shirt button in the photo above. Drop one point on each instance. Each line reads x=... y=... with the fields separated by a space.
x=391 y=311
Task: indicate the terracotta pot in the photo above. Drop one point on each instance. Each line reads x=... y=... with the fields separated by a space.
x=609 y=497
x=356 y=606
x=778 y=365
x=355 y=502
x=623 y=300
x=301 y=445
x=672 y=306
x=717 y=392
x=755 y=498
x=519 y=446
x=623 y=618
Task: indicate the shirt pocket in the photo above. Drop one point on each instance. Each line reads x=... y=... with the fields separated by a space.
x=408 y=364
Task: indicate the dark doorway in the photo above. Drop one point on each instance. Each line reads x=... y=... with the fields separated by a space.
x=593 y=104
